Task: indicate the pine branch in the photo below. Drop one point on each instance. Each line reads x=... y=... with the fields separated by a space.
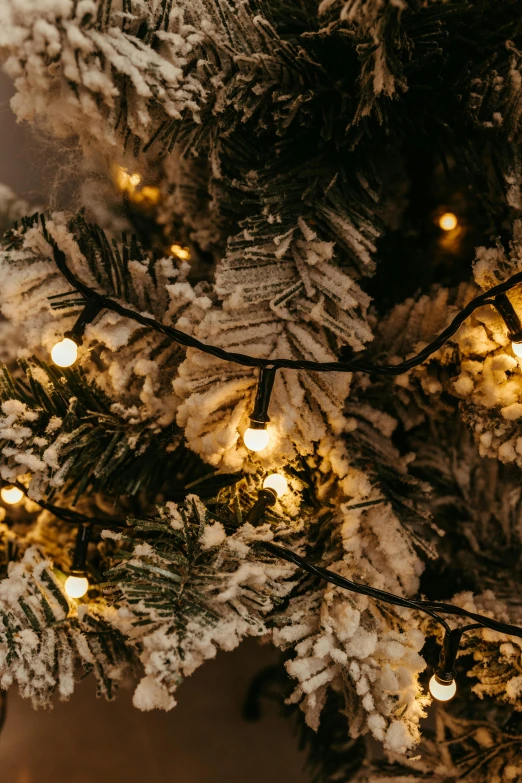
x=43 y=638
x=187 y=584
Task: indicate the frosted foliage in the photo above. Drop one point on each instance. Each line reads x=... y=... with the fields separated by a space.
x=43 y=638
x=490 y=379
x=376 y=23
x=477 y=749
x=30 y=277
x=221 y=594
x=497 y=657
x=346 y=642
x=493 y=102
x=295 y=272
x=309 y=302
x=414 y=396
x=103 y=71
x=485 y=374
x=279 y=295
x=134 y=363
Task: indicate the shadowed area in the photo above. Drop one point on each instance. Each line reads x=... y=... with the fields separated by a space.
x=205 y=739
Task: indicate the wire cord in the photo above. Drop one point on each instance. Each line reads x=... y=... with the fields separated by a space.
x=187 y=340
x=428 y=607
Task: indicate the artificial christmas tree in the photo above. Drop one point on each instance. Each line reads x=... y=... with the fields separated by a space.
x=262 y=374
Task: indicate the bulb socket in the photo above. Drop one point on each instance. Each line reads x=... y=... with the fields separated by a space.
x=80 y=549
x=87 y=316
x=70 y=335
x=266 y=498
x=445 y=671
x=260 y=418
x=444 y=678
x=258 y=425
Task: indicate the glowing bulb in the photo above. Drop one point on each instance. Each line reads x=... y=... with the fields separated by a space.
x=256 y=440
x=76 y=586
x=11 y=495
x=442 y=691
x=183 y=253
x=125 y=182
x=148 y=194
x=517 y=349
x=277 y=482
x=65 y=352
x=448 y=221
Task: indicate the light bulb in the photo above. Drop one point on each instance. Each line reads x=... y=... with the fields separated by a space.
x=442 y=691
x=76 y=586
x=183 y=253
x=277 y=482
x=448 y=221
x=65 y=352
x=517 y=349
x=256 y=440
x=11 y=495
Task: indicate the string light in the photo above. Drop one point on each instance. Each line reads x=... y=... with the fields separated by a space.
x=442 y=691
x=257 y=437
x=277 y=482
x=448 y=221
x=76 y=586
x=270 y=366
x=11 y=495
x=64 y=353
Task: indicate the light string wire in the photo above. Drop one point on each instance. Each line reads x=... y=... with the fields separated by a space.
x=428 y=607
x=187 y=340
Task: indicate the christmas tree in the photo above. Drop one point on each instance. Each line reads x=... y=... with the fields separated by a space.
x=263 y=376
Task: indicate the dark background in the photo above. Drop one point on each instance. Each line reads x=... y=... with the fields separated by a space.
x=205 y=738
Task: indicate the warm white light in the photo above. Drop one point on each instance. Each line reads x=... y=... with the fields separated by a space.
x=11 y=495
x=256 y=440
x=183 y=253
x=517 y=349
x=277 y=482
x=65 y=352
x=76 y=586
x=448 y=221
x=441 y=691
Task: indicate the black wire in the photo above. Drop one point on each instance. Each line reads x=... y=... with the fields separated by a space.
x=66 y=514
x=428 y=607
x=189 y=341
